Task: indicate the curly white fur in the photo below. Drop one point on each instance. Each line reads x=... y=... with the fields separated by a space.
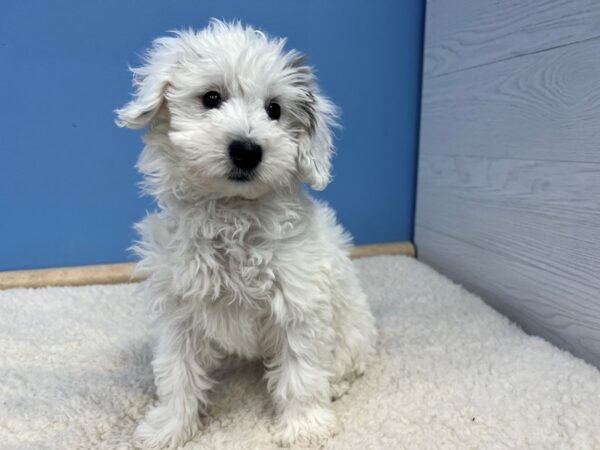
x=254 y=268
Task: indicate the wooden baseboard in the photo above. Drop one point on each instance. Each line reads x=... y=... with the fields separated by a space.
x=388 y=248
x=123 y=272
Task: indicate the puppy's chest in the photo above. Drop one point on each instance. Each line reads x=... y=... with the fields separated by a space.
x=242 y=272
x=240 y=251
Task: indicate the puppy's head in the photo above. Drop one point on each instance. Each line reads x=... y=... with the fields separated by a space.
x=233 y=112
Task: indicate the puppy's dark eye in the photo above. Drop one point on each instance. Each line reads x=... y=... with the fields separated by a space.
x=274 y=110
x=212 y=99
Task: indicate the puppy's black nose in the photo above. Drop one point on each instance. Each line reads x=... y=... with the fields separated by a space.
x=246 y=155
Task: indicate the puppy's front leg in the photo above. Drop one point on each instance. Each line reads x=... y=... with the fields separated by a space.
x=180 y=366
x=299 y=381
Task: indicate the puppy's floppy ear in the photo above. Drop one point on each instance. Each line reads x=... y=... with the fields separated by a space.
x=151 y=81
x=315 y=144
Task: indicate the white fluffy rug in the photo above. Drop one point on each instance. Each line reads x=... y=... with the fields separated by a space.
x=450 y=373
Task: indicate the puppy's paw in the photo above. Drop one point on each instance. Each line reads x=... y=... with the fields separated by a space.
x=164 y=428
x=305 y=427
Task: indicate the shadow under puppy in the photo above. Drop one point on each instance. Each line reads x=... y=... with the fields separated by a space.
x=241 y=260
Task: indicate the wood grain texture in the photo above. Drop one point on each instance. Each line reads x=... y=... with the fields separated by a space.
x=123 y=272
x=541 y=210
x=463 y=33
x=508 y=198
x=541 y=106
x=68 y=276
x=516 y=288
x=388 y=248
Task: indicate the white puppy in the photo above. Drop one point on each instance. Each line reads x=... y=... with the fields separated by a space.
x=241 y=261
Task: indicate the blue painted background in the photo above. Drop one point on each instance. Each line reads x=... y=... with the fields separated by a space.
x=68 y=192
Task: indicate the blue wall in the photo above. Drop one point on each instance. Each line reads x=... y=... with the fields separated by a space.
x=68 y=190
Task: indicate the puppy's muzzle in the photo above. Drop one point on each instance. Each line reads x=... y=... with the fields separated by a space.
x=246 y=156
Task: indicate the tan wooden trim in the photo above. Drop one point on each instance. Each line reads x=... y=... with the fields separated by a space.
x=388 y=248
x=68 y=276
x=123 y=272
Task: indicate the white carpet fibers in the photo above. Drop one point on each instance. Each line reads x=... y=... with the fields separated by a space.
x=450 y=373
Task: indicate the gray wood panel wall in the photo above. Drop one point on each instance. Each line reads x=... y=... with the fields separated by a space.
x=508 y=198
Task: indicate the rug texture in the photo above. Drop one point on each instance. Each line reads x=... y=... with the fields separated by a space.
x=449 y=373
